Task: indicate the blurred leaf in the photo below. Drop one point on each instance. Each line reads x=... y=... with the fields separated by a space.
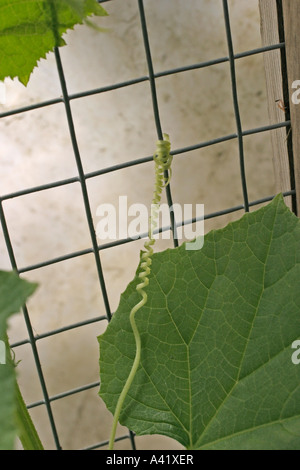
x=13 y=294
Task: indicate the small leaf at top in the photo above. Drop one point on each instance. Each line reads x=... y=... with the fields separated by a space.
x=13 y=294
x=29 y=29
x=216 y=370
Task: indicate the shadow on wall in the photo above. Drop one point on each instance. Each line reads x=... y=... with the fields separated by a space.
x=115 y=127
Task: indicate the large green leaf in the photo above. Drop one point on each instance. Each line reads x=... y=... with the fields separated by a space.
x=13 y=293
x=31 y=28
x=216 y=369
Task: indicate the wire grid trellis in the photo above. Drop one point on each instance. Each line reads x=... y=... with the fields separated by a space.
x=83 y=177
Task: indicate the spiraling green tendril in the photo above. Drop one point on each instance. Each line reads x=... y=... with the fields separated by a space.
x=163 y=160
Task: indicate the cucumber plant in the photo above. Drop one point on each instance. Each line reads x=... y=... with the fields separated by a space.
x=218 y=327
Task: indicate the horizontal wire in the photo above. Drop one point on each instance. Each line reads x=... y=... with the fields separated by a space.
x=123 y=241
x=59 y=330
x=135 y=81
x=139 y=161
x=68 y=393
x=105 y=443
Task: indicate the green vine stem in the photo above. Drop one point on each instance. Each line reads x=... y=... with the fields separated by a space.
x=163 y=160
x=26 y=430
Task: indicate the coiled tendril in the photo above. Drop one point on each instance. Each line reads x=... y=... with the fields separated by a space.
x=163 y=160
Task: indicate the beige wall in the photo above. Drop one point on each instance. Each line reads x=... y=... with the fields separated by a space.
x=112 y=128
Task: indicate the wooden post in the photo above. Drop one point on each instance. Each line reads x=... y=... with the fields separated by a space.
x=274 y=83
x=291 y=16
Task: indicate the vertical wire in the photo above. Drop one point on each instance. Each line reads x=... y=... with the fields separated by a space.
x=156 y=111
x=84 y=191
x=132 y=440
x=82 y=181
x=236 y=105
x=285 y=92
x=30 y=332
